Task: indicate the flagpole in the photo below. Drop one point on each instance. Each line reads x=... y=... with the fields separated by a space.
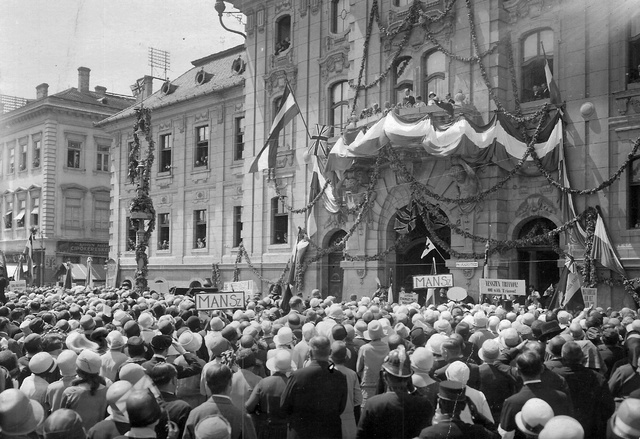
x=304 y=122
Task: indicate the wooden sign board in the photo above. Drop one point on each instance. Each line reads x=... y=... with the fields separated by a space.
x=18 y=285
x=243 y=285
x=408 y=298
x=432 y=281
x=590 y=296
x=496 y=287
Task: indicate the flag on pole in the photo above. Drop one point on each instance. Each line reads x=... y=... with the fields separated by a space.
x=485 y=269
x=319 y=181
x=28 y=258
x=554 y=91
x=390 y=291
x=67 y=278
x=429 y=247
x=576 y=234
x=288 y=109
x=89 y=274
x=570 y=286
x=431 y=292
x=19 y=270
x=602 y=250
x=319 y=141
x=297 y=253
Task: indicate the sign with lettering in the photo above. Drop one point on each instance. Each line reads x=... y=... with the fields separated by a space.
x=466 y=264
x=408 y=298
x=243 y=285
x=590 y=296
x=433 y=281
x=220 y=300
x=100 y=249
x=496 y=287
x=18 y=285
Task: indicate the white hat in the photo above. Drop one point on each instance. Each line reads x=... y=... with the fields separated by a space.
x=283 y=337
x=115 y=340
x=190 y=341
x=281 y=361
x=42 y=362
x=533 y=416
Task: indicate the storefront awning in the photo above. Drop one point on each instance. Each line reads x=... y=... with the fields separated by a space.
x=20 y=215
x=35 y=211
x=79 y=272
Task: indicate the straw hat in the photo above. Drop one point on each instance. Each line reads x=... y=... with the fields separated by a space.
x=533 y=416
x=18 y=414
x=281 y=362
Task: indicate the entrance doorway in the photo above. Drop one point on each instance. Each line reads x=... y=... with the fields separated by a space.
x=538 y=264
x=334 y=271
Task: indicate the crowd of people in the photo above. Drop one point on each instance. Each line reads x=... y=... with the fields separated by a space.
x=113 y=363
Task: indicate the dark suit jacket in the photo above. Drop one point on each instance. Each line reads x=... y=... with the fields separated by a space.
x=177 y=409
x=393 y=415
x=313 y=400
x=456 y=429
x=241 y=424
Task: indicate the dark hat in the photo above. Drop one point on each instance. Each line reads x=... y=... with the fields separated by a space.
x=64 y=424
x=161 y=342
x=165 y=327
x=338 y=332
x=549 y=330
x=131 y=328
x=162 y=373
x=8 y=360
x=452 y=391
x=398 y=363
x=142 y=408
x=36 y=325
x=33 y=342
x=245 y=358
x=99 y=334
x=230 y=333
x=52 y=342
x=193 y=323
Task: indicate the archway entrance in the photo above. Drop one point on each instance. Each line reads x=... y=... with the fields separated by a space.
x=409 y=261
x=334 y=271
x=538 y=263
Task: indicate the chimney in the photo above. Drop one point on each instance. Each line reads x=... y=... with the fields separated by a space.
x=148 y=86
x=42 y=91
x=83 y=79
x=100 y=90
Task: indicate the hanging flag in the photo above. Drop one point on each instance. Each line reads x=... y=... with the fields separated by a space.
x=89 y=282
x=28 y=258
x=554 y=91
x=485 y=269
x=319 y=142
x=319 y=181
x=390 y=290
x=406 y=219
x=288 y=109
x=576 y=234
x=602 y=250
x=429 y=247
x=431 y=292
x=68 y=278
x=19 y=273
x=570 y=286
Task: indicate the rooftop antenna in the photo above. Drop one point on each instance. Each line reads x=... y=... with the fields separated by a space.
x=159 y=59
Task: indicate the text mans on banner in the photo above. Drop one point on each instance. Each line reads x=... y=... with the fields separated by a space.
x=433 y=281
x=220 y=300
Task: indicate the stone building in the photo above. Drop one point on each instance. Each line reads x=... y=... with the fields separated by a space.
x=54 y=178
x=487 y=55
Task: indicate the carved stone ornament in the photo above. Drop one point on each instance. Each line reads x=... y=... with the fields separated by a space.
x=518 y=9
x=468 y=273
x=534 y=205
x=635 y=104
x=315 y=6
x=283 y=60
x=202 y=116
x=333 y=65
x=164 y=126
x=285 y=160
x=275 y=81
x=334 y=42
x=361 y=272
x=304 y=5
x=165 y=200
x=284 y=5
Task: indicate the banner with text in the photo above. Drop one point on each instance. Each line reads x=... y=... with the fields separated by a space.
x=243 y=285
x=590 y=296
x=220 y=300
x=432 y=281
x=502 y=286
x=408 y=298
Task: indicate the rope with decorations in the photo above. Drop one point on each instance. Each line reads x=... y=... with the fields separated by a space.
x=142 y=202
x=242 y=253
x=416 y=15
x=365 y=52
x=215 y=277
x=308 y=206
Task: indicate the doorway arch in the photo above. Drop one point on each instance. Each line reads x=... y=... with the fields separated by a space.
x=538 y=263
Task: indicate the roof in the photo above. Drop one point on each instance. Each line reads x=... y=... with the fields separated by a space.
x=219 y=76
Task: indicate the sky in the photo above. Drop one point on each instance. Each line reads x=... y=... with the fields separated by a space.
x=46 y=41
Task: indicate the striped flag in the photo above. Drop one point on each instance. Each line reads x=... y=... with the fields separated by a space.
x=266 y=158
x=429 y=247
x=319 y=144
x=390 y=290
x=554 y=91
x=570 y=286
x=432 y=291
x=602 y=250
x=318 y=181
x=28 y=257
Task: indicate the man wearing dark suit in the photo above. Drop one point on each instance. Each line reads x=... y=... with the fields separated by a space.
x=160 y=345
x=315 y=396
x=530 y=366
x=452 y=351
x=165 y=377
x=218 y=378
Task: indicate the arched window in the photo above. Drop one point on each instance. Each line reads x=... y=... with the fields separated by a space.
x=283 y=34
x=402 y=78
x=534 y=81
x=339 y=112
x=339 y=13
x=433 y=75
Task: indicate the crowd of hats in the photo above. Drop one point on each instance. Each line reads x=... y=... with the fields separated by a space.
x=87 y=322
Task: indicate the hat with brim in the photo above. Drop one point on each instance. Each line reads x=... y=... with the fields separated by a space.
x=489 y=351
x=283 y=337
x=452 y=391
x=18 y=414
x=374 y=331
x=626 y=421
x=549 y=330
x=77 y=342
x=533 y=416
x=281 y=362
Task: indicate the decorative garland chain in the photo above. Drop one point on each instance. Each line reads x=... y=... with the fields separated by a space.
x=589 y=268
x=365 y=51
x=242 y=253
x=215 y=268
x=283 y=199
x=411 y=18
x=514 y=81
x=467 y=59
x=601 y=186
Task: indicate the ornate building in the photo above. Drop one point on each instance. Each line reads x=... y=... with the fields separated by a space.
x=350 y=62
x=54 y=178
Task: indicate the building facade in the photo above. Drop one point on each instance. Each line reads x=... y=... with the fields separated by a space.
x=54 y=178
x=196 y=182
x=348 y=60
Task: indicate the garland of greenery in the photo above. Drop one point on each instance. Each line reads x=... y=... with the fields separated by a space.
x=373 y=14
x=467 y=59
x=308 y=206
x=215 y=277
x=589 y=268
x=142 y=202
x=242 y=253
x=514 y=81
x=236 y=268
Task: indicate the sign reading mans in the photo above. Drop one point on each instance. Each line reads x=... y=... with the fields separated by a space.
x=432 y=281
x=220 y=300
x=497 y=287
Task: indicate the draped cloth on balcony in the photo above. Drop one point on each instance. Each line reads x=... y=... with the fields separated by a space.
x=499 y=142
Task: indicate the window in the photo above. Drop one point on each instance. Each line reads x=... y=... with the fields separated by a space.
x=23 y=156
x=634 y=50
x=202 y=146
x=285 y=137
x=8 y=215
x=280 y=219
x=237 y=225
x=283 y=34
x=37 y=144
x=238 y=143
x=163 y=231
x=402 y=2
x=534 y=81
x=22 y=205
x=200 y=228
x=72 y=212
x=35 y=211
x=402 y=79
x=339 y=14
x=634 y=193
x=12 y=160
x=131 y=235
x=101 y=221
x=433 y=75
x=165 y=153
x=73 y=154
x=339 y=112
x=102 y=162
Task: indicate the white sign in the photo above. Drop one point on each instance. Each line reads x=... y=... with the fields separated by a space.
x=243 y=285
x=220 y=300
x=433 y=281
x=466 y=264
x=18 y=285
x=408 y=298
x=590 y=296
x=502 y=286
